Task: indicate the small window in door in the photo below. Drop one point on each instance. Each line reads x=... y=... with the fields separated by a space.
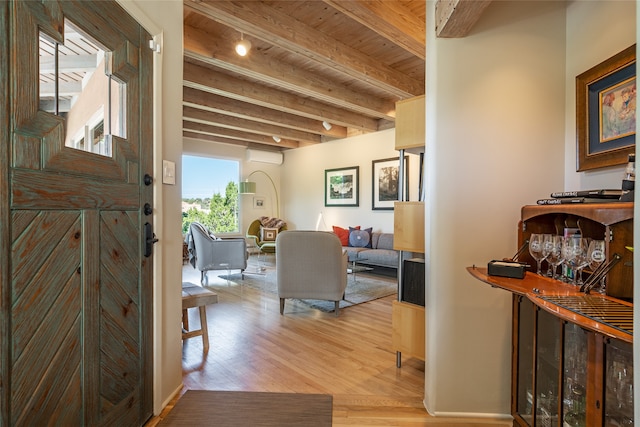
x=74 y=84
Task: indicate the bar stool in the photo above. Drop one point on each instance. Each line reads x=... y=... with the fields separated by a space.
x=196 y=296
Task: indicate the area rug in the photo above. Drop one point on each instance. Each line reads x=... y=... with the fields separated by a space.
x=363 y=289
x=241 y=408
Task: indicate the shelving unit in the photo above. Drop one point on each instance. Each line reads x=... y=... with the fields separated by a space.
x=408 y=318
x=572 y=359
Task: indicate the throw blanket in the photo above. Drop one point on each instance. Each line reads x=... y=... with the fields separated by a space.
x=271 y=222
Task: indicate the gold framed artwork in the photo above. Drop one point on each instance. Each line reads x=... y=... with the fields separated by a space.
x=606 y=112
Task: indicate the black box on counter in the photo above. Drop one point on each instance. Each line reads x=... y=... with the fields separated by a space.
x=512 y=269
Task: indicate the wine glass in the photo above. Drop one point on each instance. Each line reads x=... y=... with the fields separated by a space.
x=535 y=249
x=546 y=249
x=553 y=248
x=582 y=259
x=597 y=256
x=575 y=255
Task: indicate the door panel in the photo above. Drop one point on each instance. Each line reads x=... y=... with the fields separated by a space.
x=45 y=315
x=75 y=287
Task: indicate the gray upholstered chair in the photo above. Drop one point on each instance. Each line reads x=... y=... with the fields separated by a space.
x=310 y=265
x=208 y=253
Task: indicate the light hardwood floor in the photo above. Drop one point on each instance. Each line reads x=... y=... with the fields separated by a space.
x=254 y=348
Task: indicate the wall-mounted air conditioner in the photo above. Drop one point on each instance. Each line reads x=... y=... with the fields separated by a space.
x=273 y=157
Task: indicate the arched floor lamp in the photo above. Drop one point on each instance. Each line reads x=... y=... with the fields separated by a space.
x=249 y=187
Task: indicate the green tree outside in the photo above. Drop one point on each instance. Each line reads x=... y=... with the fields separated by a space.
x=223 y=212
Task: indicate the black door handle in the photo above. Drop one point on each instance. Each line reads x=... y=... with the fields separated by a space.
x=150 y=239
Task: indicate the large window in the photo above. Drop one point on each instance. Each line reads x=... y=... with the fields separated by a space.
x=210 y=193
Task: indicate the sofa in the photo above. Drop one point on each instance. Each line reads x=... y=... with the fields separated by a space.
x=380 y=254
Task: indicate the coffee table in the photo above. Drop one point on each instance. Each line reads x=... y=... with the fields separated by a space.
x=353 y=259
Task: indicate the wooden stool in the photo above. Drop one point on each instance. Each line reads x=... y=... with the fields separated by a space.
x=196 y=296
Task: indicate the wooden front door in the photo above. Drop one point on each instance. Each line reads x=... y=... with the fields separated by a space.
x=75 y=281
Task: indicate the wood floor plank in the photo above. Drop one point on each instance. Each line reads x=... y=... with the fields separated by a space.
x=254 y=348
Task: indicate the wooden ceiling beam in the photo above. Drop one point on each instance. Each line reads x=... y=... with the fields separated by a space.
x=236 y=135
x=222 y=140
x=455 y=18
x=390 y=19
x=200 y=46
x=236 y=123
x=220 y=104
x=205 y=79
x=277 y=28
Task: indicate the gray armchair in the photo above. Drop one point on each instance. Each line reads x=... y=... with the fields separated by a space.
x=208 y=253
x=311 y=265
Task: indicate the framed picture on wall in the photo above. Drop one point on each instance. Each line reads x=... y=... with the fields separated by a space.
x=341 y=186
x=606 y=112
x=385 y=182
x=258 y=202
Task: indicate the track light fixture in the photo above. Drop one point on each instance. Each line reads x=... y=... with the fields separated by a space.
x=326 y=125
x=276 y=139
x=243 y=46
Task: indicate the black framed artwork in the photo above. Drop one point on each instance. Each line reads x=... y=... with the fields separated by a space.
x=341 y=186
x=385 y=182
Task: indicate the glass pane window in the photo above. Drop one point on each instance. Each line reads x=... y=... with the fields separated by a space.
x=210 y=193
x=74 y=85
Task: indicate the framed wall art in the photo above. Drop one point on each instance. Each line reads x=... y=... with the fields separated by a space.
x=341 y=186
x=385 y=177
x=258 y=202
x=606 y=112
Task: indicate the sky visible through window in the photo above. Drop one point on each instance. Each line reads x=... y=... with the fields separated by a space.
x=202 y=177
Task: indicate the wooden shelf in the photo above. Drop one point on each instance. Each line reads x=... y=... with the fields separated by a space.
x=408 y=329
x=408 y=226
x=410 y=129
x=536 y=288
x=611 y=222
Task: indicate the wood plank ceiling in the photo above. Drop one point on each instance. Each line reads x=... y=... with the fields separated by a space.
x=345 y=63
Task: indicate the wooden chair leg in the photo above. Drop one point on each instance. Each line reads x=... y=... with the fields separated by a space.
x=203 y=328
x=281 y=305
x=337 y=310
x=185 y=320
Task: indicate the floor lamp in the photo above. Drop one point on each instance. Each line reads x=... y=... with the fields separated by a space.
x=249 y=187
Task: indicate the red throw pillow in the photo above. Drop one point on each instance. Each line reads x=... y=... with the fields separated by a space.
x=343 y=234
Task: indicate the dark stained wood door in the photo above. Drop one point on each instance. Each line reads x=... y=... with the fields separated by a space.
x=75 y=284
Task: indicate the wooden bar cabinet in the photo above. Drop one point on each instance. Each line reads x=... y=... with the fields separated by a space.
x=572 y=353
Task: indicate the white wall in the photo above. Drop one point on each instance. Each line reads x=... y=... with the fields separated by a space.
x=511 y=82
x=591 y=40
x=163 y=20
x=303 y=182
x=495 y=142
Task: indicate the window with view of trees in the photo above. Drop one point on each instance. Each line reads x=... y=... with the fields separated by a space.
x=210 y=193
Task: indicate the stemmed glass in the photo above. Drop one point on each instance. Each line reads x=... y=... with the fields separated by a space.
x=596 y=255
x=553 y=249
x=575 y=249
x=535 y=249
x=546 y=249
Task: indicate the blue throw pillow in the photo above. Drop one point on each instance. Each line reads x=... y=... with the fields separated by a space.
x=360 y=238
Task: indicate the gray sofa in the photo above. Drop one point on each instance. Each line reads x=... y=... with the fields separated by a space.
x=380 y=254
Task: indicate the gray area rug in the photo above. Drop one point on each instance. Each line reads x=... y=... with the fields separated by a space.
x=364 y=288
